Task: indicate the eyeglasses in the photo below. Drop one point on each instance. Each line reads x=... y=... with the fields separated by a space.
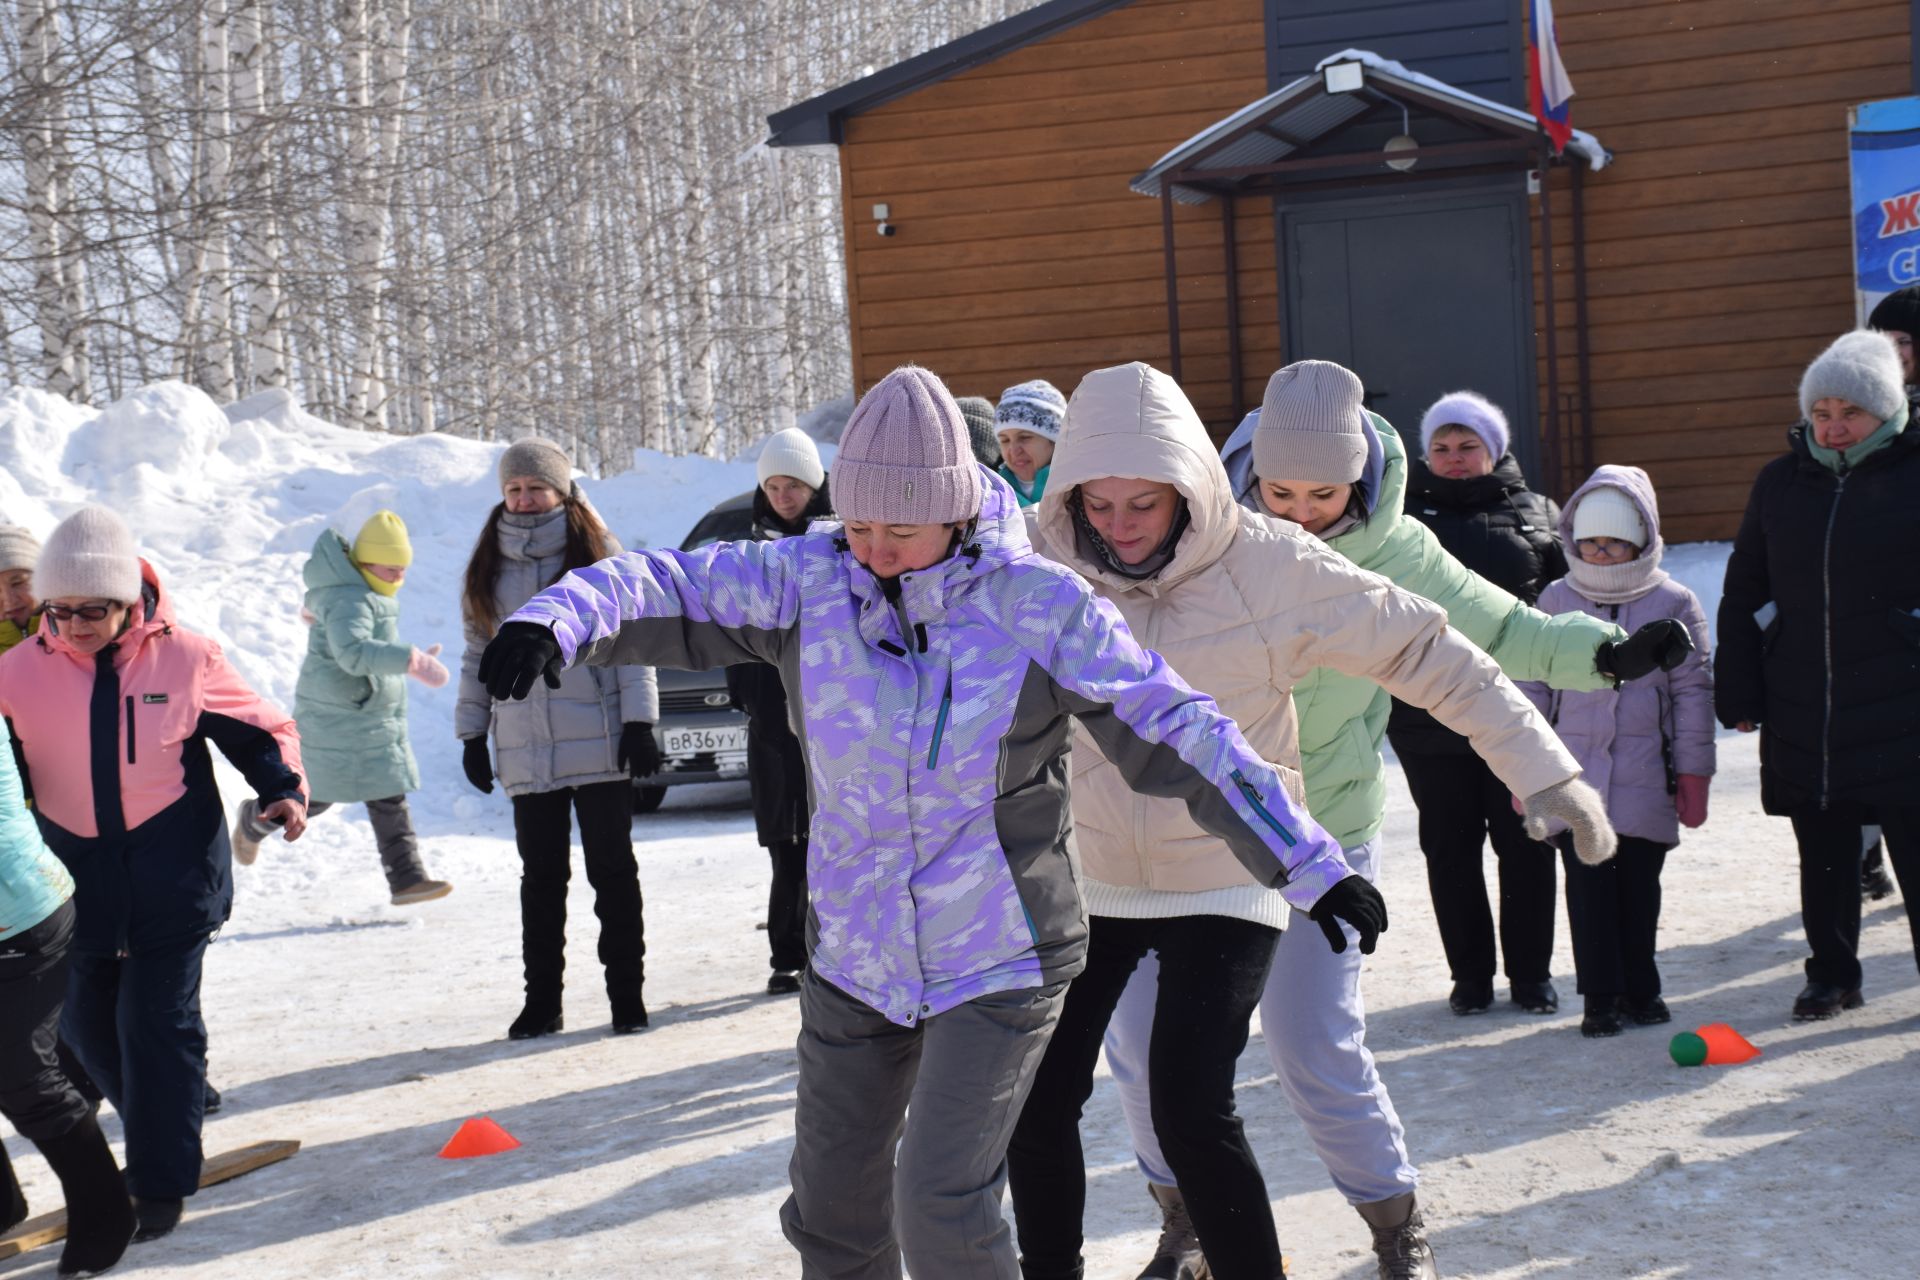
x=86 y=612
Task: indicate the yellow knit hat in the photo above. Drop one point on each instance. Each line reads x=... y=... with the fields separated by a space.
x=383 y=540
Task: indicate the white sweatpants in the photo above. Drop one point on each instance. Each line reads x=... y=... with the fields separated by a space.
x=1314 y=1023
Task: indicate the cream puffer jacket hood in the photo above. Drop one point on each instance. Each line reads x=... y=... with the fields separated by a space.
x=1246 y=606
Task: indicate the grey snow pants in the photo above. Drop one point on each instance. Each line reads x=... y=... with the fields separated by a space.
x=947 y=1093
x=392 y=833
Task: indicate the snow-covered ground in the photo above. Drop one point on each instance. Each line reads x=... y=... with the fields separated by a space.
x=369 y=1032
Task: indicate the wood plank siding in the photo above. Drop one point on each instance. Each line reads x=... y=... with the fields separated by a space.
x=1718 y=251
x=1719 y=259
x=1020 y=251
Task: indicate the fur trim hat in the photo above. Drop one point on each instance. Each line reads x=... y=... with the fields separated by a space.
x=1035 y=406
x=537 y=459
x=1310 y=425
x=89 y=556
x=1862 y=367
x=791 y=453
x=18 y=548
x=1474 y=412
x=904 y=457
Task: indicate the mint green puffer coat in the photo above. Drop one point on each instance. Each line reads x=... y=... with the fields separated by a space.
x=1343 y=719
x=351 y=698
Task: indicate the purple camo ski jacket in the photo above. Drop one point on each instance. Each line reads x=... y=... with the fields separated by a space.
x=941 y=866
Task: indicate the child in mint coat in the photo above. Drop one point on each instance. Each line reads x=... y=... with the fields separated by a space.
x=351 y=699
x=1646 y=745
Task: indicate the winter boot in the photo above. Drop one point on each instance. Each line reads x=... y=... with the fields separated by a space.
x=1875 y=883
x=540 y=1016
x=1177 y=1256
x=13 y=1201
x=421 y=890
x=1400 y=1239
x=1471 y=997
x=629 y=1013
x=100 y=1218
x=1602 y=1018
x=1536 y=997
x=156 y=1218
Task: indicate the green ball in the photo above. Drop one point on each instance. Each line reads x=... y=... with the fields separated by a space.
x=1688 y=1049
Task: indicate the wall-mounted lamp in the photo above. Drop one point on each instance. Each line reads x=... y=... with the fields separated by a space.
x=880 y=215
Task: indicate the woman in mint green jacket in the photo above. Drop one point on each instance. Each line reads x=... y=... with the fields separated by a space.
x=36 y=929
x=1355 y=473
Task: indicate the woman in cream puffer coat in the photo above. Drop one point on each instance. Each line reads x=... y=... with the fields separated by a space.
x=1243 y=605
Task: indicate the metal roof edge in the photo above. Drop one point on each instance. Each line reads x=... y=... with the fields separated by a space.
x=817 y=120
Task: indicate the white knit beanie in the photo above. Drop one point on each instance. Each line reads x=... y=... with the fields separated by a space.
x=1608 y=512
x=1862 y=367
x=537 y=459
x=1474 y=412
x=1310 y=425
x=89 y=556
x=18 y=548
x=1035 y=406
x=791 y=453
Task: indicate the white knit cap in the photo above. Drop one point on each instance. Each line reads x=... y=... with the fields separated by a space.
x=1474 y=412
x=89 y=556
x=1310 y=425
x=1863 y=368
x=791 y=453
x=1608 y=512
x=19 y=549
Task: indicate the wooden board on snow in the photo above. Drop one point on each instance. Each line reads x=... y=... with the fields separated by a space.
x=49 y=1227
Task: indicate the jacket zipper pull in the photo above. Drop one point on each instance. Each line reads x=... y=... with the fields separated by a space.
x=940 y=724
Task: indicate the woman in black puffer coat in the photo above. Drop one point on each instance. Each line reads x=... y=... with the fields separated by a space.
x=1820 y=645
x=1469 y=490
x=792 y=494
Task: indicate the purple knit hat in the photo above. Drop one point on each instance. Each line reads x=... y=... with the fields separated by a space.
x=904 y=457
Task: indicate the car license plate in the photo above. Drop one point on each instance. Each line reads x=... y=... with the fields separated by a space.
x=685 y=741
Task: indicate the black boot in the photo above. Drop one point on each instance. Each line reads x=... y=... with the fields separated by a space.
x=100 y=1218
x=13 y=1201
x=629 y=1012
x=1400 y=1238
x=1177 y=1256
x=540 y=1016
x=156 y=1218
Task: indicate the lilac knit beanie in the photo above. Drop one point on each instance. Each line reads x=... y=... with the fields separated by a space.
x=904 y=457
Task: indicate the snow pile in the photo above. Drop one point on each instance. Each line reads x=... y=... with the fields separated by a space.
x=227 y=505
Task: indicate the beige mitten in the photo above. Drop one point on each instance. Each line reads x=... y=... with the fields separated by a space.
x=1576 y=806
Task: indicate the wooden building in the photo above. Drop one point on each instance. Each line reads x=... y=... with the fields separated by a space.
x=1692 y=276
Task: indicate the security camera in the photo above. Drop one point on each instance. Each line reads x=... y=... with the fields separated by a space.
x=887 y=229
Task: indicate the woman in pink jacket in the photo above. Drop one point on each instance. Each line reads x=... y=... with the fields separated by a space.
x=112 y=708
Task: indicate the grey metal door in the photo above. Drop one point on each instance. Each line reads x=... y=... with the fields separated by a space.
x=1418 y=297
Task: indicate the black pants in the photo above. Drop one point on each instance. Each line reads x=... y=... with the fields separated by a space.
x=1830 y=882
x=1212 y=971
x=543 y=832
x=1461 y=805
x=134 y=1022
x=787 y=907
x=35 y=1094
x=1614 y=912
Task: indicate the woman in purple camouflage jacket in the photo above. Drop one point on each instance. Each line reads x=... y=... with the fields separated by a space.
x=937 y=659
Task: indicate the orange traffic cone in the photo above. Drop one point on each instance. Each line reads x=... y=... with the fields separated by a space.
x=1725 y=1046
x=478 y=1137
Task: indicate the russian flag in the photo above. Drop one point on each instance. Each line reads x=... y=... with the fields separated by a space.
x=1549 y=91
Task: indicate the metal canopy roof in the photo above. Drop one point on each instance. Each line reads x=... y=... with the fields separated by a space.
x=1299 y=114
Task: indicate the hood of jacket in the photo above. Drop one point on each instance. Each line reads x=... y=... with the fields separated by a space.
x=331 y=565
x=1133 y=421
x=1616 y=583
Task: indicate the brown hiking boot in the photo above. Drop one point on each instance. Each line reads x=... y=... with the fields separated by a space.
x=1177 y=1256
x=1400 y=1239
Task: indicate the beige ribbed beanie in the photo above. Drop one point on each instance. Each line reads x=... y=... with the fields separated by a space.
x=1310 y=425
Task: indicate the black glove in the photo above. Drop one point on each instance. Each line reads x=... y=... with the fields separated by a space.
x=1661 y=645
x=479 y=769
x=639 y=753
x=1356 y=901
x=511 y=660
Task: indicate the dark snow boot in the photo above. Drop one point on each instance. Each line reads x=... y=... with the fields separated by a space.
x=13 y=1201
x=537 y=1018
x=1177 y=1256
x=156 y=1218
x=1875 y=883
x=100 y=1218
x=1400 y=1239
x=629 y=1013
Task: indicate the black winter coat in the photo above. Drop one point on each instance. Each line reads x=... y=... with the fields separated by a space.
x=776 y=765
x=1501 y=530
x=1832 y=672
